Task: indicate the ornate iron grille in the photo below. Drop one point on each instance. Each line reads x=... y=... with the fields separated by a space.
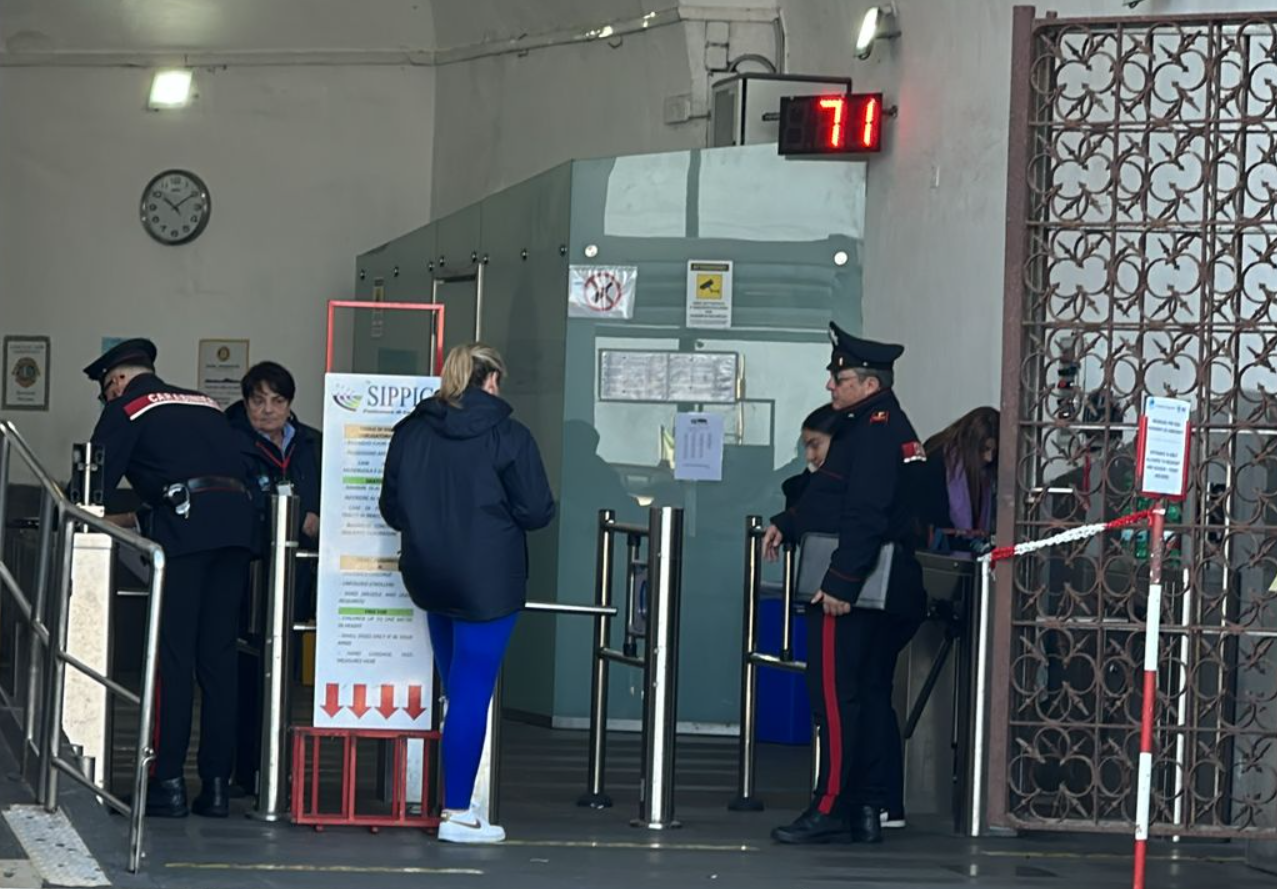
x=1141 y=259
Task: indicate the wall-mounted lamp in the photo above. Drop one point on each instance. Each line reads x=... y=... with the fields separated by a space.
x=171 y=88
x=879 y=23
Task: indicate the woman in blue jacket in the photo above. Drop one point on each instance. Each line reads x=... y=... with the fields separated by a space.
x=464 y=484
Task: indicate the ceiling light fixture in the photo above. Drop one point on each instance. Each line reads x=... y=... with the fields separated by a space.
x=879 y=23
x=171 y=88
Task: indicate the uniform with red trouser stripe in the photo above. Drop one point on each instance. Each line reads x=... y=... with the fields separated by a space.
x=867 y=492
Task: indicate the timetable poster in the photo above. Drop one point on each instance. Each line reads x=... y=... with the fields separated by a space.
x=373 y=663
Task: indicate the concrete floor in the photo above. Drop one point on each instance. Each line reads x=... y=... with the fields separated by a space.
x=555 y=844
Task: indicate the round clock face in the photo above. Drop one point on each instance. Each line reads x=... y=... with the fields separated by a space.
x=175 y=207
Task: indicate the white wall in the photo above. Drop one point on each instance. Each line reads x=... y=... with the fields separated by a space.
x=68 y=26
x=306 y=166
x=505 y=118
x=934 y=252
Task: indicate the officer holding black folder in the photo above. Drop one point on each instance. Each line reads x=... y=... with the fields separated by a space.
x=870 y=600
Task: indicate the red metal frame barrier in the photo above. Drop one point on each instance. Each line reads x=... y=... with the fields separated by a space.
x=306 y=806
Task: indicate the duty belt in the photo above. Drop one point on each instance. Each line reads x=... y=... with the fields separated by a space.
x=178 y=494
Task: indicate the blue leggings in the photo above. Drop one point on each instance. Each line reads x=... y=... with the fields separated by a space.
x=468 y=655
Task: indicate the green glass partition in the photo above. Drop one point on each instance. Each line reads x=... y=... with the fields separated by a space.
x=793 y=234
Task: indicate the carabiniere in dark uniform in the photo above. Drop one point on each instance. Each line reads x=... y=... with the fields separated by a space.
x=866 y=492
x=185 y=462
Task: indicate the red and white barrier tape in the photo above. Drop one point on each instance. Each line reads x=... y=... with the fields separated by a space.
x=1156 y=518
x=1082 y=532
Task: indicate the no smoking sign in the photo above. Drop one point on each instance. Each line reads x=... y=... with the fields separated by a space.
x=601 y=292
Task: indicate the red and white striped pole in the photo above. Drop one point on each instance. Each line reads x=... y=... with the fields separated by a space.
x=1151 y=634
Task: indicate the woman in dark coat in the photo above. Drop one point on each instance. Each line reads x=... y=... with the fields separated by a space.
x=464 y=483
x=817 y=432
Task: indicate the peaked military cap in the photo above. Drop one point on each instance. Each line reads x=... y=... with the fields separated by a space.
x=851 y=352
x=139 y=351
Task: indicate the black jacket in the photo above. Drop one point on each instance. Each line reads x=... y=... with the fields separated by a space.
x=155 y=435
x=794 y=486
x=300 y=466
x=463 y=486
x=867 y=492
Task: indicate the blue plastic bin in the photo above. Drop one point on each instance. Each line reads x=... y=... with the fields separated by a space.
x=784 y=716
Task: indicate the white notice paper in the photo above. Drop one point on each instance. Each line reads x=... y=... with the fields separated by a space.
x=222 y=364
x=373 y=666
x=1164 y=453
x=698 y=447
x=709 y=294
x=26 y=373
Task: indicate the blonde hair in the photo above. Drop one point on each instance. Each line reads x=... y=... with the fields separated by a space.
x=467 y=366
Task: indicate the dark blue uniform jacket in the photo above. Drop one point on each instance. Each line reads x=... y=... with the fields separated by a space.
x=464 y=485
x=154 y=435
x=866 y=492
x=299 y=466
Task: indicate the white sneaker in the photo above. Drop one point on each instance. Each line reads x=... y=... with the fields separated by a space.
x=468 y=827
x=889 y=820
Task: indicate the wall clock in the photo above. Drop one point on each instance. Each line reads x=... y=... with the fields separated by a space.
x=175 y=207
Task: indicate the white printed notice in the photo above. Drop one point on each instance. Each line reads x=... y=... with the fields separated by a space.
x=373 y=663
x=698 y=447
x=1163 y=447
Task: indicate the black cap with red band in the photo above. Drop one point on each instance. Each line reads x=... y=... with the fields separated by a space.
x=852 y=352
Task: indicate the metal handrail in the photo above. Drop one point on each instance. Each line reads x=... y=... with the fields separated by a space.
x=58 y=512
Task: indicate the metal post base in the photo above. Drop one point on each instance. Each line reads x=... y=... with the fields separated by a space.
x=656 y=825
x=269 y=817
x=746 y=804
x=594 y=801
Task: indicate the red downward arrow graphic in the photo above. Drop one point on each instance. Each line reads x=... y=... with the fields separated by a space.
x=387 y=708
x=331 y=707
x=414 y=708
x=360 y=707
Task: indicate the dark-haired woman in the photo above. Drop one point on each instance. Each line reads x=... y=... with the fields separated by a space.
x=958 y=493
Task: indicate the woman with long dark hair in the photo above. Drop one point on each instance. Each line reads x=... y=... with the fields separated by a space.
x=464 y=483
x=961 y=463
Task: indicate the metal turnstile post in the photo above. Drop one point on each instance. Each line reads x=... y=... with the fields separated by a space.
x=976 y=825
x=745 y=800
x=272 y=774
x=595 y=797
x=660 y=674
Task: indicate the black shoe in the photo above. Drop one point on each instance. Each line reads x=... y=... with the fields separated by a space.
x=166 y=799
x=813 y=826
x=866 y=824
x=214 y=799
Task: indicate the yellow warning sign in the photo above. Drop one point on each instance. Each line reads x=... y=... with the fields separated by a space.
x=709 y=294
x=709 y=286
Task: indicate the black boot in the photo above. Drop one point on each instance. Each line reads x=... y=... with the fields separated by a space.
x=214 y=799
x=166 y=799
x=813 y=826
x=866 y=824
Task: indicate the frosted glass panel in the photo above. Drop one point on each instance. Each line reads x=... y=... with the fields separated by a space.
x=781 y=225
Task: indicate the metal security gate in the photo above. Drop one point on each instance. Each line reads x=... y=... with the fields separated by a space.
x=1141 y=258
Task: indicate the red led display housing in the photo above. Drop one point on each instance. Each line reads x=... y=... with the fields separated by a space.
x=849 y=123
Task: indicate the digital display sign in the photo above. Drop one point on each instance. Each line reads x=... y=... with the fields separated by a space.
x=849 y=123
